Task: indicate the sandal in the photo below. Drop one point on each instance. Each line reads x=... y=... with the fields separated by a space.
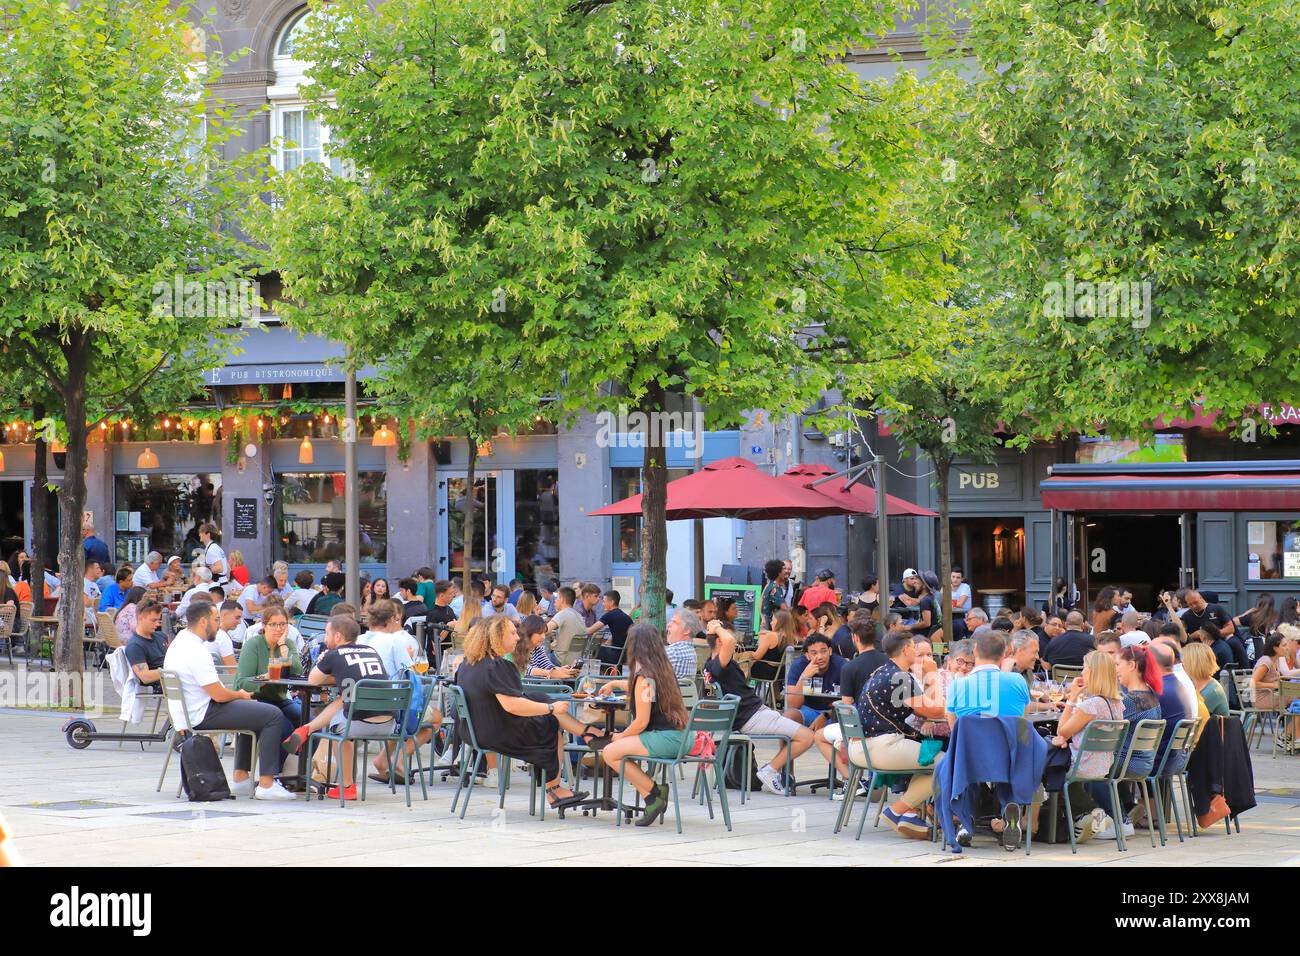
x=563 y=803
x=596 y=742
x=398 y=779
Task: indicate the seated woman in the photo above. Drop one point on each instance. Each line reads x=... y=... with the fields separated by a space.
x=771 y=646
x=1093 y=695
x=508 y=722
x=532 y=658
x=658 y=717
x=1202 y=666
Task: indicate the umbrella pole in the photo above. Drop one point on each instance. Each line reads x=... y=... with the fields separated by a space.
x=697 y=525
x=882 y=547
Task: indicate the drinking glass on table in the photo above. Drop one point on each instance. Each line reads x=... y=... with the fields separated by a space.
x=1037 y=690
x=815 y=685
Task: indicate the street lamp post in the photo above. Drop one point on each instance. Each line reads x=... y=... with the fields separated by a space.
x=352 y=513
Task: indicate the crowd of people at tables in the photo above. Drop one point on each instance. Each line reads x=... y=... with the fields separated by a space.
x=1134 y=667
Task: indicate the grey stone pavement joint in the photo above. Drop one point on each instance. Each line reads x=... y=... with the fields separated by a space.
x=98 y=807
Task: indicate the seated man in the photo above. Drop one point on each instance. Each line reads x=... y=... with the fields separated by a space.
x=214 y=706
x=567 y=625
x=1069 y=647
x=500 y=604
x=202 y=578
x=683 y=625
x=343 y=664
x=751 y=716
x=890 y=696
x=395 y=646
x=818 y=661
x=990 y=691
x=1022 y=659
x=618 y=622
x=221 y=647
x=412 y=606
x=853 y=678
x=145 y=651
x=112 y=597
x=231 y=621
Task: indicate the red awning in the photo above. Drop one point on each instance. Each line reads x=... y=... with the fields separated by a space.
x=1222 y=491
x=858 y=498
x=734 y=488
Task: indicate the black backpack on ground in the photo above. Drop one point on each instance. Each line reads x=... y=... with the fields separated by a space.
x=735 y=766
x=201 y=775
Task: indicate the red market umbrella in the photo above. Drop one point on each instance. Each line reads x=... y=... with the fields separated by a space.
x=859 y=499
x=734 y=488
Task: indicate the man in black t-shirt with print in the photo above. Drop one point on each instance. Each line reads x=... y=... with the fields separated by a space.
x=344 y=663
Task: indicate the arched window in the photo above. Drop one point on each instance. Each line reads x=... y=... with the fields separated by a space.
x=301 y=137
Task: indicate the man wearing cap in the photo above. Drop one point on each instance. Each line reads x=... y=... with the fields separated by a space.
x=822 y=592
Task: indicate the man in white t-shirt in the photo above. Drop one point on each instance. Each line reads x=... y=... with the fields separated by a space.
x=395 y=646
x=960 y=593
x=90 y=585
x=253 y=600
x=230 y=624
x=214 y=706
x=298 y=599
x=146 y=575
x=213 y=555
x=202 y=579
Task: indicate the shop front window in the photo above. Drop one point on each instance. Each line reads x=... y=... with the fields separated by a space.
x=1273 y=550
x=310 y=518
x=163 y=513
x=627 y=528
x=537 y=525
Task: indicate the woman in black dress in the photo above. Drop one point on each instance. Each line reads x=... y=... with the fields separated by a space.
x=506 y=720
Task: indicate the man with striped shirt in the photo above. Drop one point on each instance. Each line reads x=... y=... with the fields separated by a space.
x=683 y=626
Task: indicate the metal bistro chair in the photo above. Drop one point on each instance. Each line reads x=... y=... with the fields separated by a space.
x=1064 y=673
x=713 y=717
x=173 y=693
x=1252 y=718
x=1287 y=691
x=1145 y=739
x=1173 y=767
x=472 y=754
x=379 y=696
x=1100 y=736
x=851 y=726
x=741 y=744
x=311 y=626
x=555 y=689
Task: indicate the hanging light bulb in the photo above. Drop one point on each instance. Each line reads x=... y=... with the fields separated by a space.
x=103 y=426
x=259 y=423
x=147 y=459
x=167 y=423
x=205 y=433
x=384 y=438
x=288 y=392
x=305 y=456
x=327 y=419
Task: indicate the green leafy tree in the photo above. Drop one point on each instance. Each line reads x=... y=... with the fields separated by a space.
x=108 y=198
x=675 y=200
x=1129 y=182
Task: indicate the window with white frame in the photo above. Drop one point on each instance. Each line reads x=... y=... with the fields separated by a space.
x=300 y=136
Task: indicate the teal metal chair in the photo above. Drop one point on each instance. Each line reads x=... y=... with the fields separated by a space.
x=1100 y=736
x=713 y=717
x=1173 y=768
x=1145 y=739
x=382 y=696
x=851 y=726
x=473 y=755
x=740 y=745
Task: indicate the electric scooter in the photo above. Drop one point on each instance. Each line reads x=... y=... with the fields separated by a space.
x=80 y=732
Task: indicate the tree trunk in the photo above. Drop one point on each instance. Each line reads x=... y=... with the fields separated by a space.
x=40 y=517
x=943 y=465
x=467 y=529
x=72 y=502
x=654 y=524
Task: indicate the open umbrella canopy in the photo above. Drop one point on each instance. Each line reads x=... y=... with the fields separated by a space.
x=734 y=488
x=858 y=499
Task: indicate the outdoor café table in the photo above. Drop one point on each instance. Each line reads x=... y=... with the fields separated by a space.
x=44 y=625
x=824 y=700
x=605 y=801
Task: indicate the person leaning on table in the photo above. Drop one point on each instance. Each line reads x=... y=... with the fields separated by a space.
x=213 y=706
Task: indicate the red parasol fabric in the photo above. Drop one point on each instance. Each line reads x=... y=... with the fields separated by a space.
x=858 y=499
x=735 y=488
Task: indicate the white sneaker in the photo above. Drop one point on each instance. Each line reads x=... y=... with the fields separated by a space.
x=242 y=788
x=446 y=760
x=842 y=792
x=275 y=791
x=771 y=781
x=1090 y=825
x=1108 y=831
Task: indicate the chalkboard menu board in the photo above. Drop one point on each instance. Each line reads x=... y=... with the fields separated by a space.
x=746 y=597
x=245 y=517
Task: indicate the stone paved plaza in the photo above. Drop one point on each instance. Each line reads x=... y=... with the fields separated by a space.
x=98 y=807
